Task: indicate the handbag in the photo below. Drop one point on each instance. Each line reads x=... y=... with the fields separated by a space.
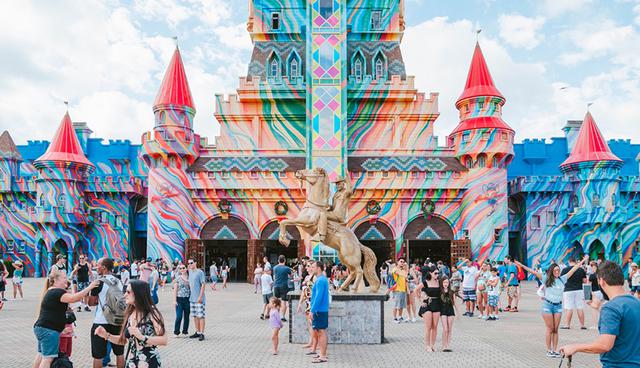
x=70 y=317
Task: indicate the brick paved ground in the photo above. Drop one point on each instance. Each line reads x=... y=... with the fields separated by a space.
x=237 y=338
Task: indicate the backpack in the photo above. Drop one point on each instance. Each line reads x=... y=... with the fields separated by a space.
x=114 y=303
x=61 y=361
x=520 y=275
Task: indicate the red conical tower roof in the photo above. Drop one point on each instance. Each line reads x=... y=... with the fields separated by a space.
x=175 y=88
x=479 y=81
x=65 y=146
x=590 y=145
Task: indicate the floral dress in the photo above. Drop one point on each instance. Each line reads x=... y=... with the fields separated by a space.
x=142 y=356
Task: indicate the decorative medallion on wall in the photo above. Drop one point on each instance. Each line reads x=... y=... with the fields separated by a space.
x=224 y=206
x=281 y=208
x=373 y=207
x=428 y=207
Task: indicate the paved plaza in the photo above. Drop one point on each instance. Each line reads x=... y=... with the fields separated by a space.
x=235 y=337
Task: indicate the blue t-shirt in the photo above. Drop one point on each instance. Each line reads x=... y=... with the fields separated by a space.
x=513 y=269
x=621 y=317
x=501 y=271
x=281 y=276
x=320 y=295
x=196 y=280
x=553 y=294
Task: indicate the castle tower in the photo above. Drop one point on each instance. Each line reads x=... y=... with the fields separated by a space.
x=594 y=173
x=484 y=144
x=326 y=86
x=169 y=149
x=60 y=207
x=10 y=160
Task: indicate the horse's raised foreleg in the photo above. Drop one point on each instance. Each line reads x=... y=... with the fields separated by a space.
x=301 y=221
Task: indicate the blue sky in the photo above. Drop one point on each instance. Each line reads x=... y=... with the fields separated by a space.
x=548 y=57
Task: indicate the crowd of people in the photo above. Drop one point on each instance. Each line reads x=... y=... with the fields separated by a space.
x=128 y=325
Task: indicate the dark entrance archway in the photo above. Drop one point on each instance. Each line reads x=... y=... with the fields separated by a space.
x=272 y=248
x=42 y=259
x=379 y=237
x=428 y=237
x=59 y=247
x=596 y=250
x=225 y=242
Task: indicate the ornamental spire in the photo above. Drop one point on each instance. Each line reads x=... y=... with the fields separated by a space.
x=590 y=145
x=65 y=146
x=174 y=89
x=479 y=81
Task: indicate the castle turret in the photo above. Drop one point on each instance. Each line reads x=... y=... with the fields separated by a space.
x=169 y=150
x=63 y=171
x=10 y=160
x=594 y=171
x=484 y=144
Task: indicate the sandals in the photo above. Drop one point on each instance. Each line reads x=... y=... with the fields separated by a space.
x=565 y=327
x=311 y=353
x=319 y=360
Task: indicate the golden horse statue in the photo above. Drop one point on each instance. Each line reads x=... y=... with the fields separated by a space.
x=338 y=236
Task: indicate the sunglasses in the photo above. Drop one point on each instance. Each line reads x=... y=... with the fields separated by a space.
x=190 y=262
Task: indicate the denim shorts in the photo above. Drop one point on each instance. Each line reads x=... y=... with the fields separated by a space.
x=48 y=341
x=551 y=308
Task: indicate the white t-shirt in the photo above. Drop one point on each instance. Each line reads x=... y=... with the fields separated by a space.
x=124 y=277
x=99 y=318
x=213 y=270
x=470 y=273
x=134 y=269
x=266 y=281
x=635 y=279
x=267 y=266
x=494 y=290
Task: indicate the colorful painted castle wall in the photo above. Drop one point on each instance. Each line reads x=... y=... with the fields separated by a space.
x=326 y=86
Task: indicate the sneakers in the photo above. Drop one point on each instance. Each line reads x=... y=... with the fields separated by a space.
x=556 y=354
x=87 y=309
x=262 y=316
x=551 y=354
x=395 y=320
x=195 y=335
x=481 y=316
x=470 y=314
x=283 y=319
x=485 y=317
x=79 y=309
x=413 y=320
x=201 y=337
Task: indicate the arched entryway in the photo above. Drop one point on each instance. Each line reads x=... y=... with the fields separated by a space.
x=225 y=241
x=59 y=247
x=81 y=248
x=42 y=259
x=272 y=248
x=574 y=251
x=379 y=237
x=428 y=236
x=614 y=252
x=596 y=250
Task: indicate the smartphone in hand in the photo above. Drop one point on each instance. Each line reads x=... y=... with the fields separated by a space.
x=586 y=289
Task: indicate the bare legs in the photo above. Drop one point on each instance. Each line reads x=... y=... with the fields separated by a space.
x=274 y=340
x=17 y=288
x=447 y=327
x=430 y=329
x=552 y=322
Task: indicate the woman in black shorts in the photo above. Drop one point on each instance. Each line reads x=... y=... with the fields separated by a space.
x=430 y=308
x=447 y=312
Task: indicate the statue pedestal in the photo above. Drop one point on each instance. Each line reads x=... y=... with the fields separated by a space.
x=354 y=318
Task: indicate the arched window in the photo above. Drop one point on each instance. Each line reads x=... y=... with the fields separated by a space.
x=41 y=200
x=468 y=162
x=273 y=70
x=595 y=200
x=379 y=66
x=358 y=66
x=482 y=160
x=62 y=202
x=496 y=162
x=294 y=65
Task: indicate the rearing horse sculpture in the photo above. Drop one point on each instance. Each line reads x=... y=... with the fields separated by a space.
x=338 y=237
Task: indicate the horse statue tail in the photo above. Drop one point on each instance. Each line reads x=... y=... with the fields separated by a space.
x=369 y=268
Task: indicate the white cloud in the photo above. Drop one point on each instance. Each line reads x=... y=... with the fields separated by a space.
x=604 y=38
x=525 y=85
x=554 y=8
x=636 y=11
x=521 y=31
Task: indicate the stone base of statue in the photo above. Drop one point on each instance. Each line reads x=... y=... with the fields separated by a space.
x=354 y=318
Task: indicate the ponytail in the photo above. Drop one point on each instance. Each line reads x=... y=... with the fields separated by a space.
x=48 y=283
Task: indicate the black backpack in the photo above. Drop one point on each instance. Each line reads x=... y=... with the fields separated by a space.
x=62 y=361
